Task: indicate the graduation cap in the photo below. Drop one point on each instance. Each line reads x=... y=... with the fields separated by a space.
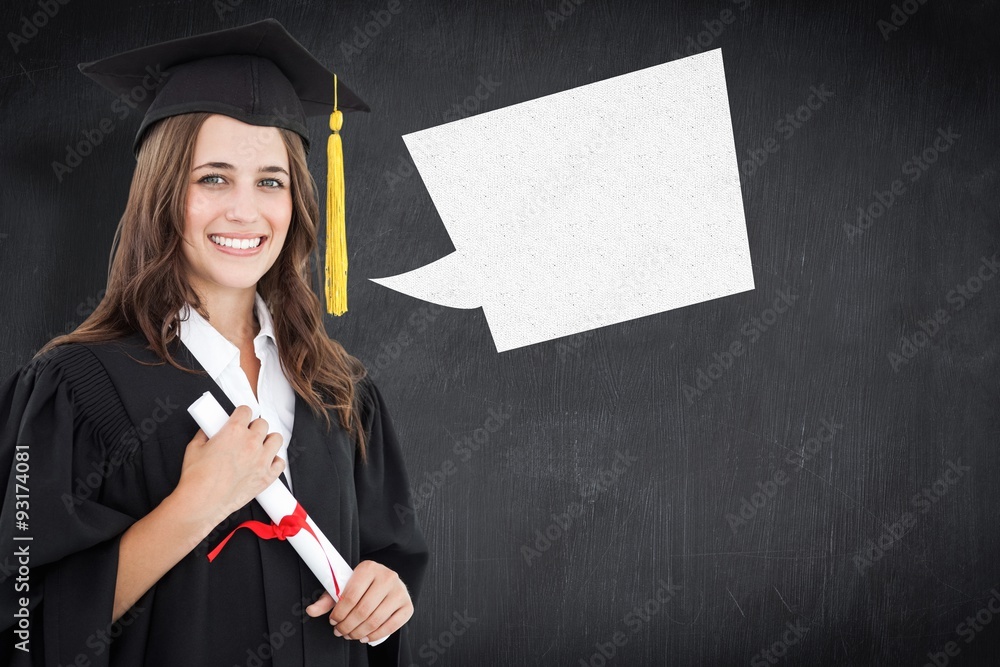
x=258 y=74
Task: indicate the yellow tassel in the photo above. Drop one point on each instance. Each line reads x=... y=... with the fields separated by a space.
x=336 y=234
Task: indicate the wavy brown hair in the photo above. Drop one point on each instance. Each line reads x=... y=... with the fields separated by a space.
x=147 y=284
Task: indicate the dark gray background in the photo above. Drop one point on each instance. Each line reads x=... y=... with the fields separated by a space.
x=573 y=405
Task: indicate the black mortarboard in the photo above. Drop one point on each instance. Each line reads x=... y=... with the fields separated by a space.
x=258 y=74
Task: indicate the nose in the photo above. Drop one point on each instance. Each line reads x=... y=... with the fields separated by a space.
x=243 y=205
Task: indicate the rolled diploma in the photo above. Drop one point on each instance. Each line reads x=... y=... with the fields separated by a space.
x=279 y=502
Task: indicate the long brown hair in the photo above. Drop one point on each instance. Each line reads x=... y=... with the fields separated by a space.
x=147 y=284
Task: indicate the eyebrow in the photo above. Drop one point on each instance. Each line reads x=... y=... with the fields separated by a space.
x=270 y=169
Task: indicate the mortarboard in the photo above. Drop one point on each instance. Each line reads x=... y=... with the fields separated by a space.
x=258 y=74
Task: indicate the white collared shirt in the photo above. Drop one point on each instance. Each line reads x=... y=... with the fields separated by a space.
x=221 y=359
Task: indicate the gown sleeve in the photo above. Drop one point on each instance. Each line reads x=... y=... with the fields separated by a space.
x=58 y=540
x=390 y=534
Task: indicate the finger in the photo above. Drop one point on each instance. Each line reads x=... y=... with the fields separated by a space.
x=360 y=620
x=241 y=415
x=382 y=612
x=320 y=606
x=397 y=620
x=353 y=592
x=260 y=426
x=277 y=467
x=200 y=438
x=272 y=443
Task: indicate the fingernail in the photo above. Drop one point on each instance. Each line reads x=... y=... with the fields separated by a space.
x=364 y=640
x=337 y=632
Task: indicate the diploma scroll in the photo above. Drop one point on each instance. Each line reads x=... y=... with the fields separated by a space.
x=278 y=502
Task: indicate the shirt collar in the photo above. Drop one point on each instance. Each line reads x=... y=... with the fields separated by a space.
x=264 y=317
x=212 y=350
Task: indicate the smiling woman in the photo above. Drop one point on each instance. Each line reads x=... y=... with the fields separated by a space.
x=208 y=290
x=235 y=212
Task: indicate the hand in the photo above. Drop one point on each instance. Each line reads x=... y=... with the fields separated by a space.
x=222 y=474
x=373 y=605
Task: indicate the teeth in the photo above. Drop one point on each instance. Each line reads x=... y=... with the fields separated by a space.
x=242 y=244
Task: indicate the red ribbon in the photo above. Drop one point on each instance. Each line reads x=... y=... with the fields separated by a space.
x=290 y=525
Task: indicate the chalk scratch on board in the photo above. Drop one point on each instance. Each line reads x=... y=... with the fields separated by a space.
x=736 y=603
x=782 y=599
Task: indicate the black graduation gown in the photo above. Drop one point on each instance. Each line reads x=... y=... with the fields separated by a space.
x=103 y=437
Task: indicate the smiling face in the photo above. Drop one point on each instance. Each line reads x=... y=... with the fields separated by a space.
x=238 y=206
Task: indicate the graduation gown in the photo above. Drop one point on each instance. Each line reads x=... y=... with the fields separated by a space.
x=102 y=429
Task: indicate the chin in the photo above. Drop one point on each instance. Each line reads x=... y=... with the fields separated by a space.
x=230 y=281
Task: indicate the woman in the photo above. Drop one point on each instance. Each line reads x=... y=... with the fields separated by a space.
x=114 y=496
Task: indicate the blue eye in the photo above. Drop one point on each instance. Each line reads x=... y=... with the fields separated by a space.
x=218 y=179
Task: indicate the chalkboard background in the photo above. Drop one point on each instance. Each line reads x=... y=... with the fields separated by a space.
x=635 y=495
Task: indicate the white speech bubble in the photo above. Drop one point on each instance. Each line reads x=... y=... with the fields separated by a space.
x=594 y=206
